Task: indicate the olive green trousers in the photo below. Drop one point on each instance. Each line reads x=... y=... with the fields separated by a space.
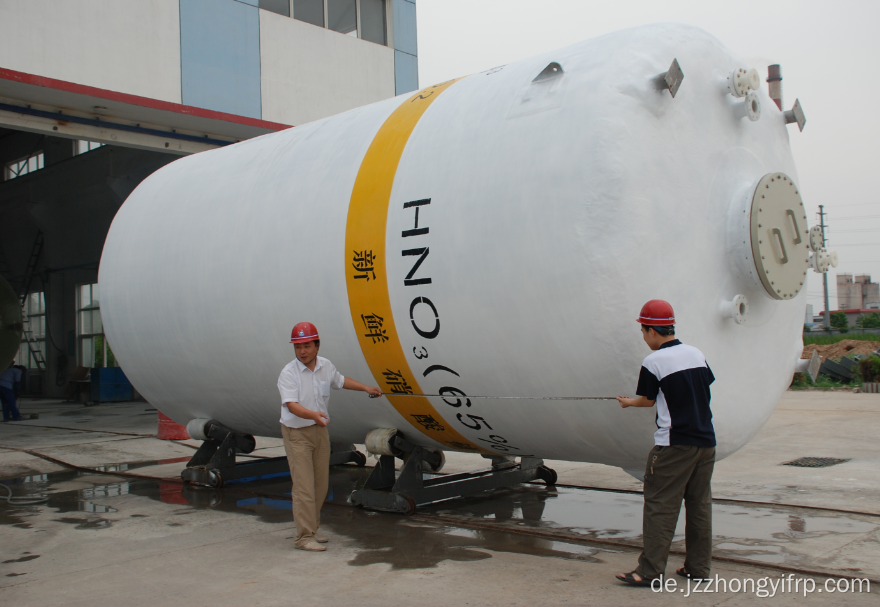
x=672 y=474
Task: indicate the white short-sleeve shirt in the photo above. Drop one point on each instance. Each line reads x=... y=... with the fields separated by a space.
x=311 y=389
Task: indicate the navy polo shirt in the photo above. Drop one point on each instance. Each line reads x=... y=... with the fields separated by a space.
x=677 y=377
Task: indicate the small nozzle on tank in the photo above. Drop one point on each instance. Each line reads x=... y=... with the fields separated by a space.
x=670 y=79
x=774 y=83
x=822 y=260
x=750 y=107
x=737 y=309
x=809 y=365
x=740 y=81
x=796 y=114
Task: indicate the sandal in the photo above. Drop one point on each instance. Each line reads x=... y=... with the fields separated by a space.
x=628 y=578
x=683 y=572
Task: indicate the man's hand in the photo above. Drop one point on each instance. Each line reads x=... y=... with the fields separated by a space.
x=297 y=409
x=353 y=384
x=639 y=401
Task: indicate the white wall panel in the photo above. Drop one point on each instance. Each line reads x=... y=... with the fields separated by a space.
x=130 y=47
x=309 y=72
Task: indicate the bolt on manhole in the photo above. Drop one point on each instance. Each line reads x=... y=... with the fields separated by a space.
x=815 y=462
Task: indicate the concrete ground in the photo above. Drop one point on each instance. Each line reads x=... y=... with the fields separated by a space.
x=127 y=532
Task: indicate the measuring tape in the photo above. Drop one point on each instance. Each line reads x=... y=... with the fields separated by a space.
x=461 y=396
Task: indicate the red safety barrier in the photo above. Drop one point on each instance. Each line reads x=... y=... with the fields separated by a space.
x=171 y=430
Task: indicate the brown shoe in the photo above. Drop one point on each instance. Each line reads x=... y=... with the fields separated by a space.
x=321 y=539
x=312 y=547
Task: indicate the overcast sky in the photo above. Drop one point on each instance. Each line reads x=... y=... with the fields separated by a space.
x=828 y=52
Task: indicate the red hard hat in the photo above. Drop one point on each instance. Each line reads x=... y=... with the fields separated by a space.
x=303 y=332
x=657 y=313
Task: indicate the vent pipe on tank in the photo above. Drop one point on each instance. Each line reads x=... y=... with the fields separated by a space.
x=774 y=83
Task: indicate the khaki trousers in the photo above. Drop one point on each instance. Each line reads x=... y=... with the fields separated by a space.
x=308 y=455
x=673 y=473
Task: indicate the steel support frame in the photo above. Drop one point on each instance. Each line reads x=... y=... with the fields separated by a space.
x=386 y=491
x=214 y=465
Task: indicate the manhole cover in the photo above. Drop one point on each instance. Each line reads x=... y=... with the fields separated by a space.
x=815 y=462
x=778 y=222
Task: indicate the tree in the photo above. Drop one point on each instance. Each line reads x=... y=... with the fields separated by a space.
x=839 y=321
x=869 y=368
x=869 y=321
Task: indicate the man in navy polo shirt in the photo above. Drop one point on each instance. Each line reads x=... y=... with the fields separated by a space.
x=676 y=377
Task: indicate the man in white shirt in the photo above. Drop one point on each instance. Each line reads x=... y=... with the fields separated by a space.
x=305 y=385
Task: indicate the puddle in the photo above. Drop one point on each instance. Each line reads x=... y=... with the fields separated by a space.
x=376 y=537
x=136 y=465
x=83 y=500
x=406 y=544
x=763 y=534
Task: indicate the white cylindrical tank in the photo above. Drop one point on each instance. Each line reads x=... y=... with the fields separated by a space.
x=494 y=235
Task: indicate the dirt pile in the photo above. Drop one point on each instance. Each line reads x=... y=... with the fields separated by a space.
x=842 y=348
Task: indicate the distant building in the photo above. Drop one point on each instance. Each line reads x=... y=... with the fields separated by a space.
x=95 y=95
x=857 y=292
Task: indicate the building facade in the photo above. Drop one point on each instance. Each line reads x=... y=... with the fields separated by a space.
x=95 y=95
x=857 y=292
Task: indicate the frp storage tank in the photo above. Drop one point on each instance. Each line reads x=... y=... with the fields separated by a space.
x=492 y=235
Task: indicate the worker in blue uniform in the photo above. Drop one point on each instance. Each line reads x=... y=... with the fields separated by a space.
x=8 y=379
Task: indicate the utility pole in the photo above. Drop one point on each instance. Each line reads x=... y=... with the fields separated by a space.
x=825 y=274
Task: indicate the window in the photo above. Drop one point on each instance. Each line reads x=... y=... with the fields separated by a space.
x=35 y=327
x=342 y=16
x=359 y=18
x=81 y=147
x=21 y=167
x=90 y=329
x=310 y=11
x=282 y=7
x=373 y=21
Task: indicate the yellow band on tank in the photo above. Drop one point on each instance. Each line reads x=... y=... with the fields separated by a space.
x=366 y=270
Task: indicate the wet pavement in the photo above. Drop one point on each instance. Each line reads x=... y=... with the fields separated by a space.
x=583 y=522
x=125 y=527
